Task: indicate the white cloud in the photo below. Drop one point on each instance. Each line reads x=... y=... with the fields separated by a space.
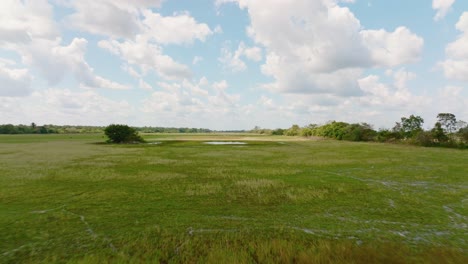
x=144 y=85
x=442 y=7
x=253 y=53
x=147 y=57
x=14 y=81
x=452 y=100
x=294 y=78
x=64 y=106
x=456 y=64
x=114 y=18
x=20 y=21
x=320 y=47
x=54 y=61
x=177 y=29
x=233 y=60
x=395 y=96
x=131 y=71
x=386 y=47
x=222 y=98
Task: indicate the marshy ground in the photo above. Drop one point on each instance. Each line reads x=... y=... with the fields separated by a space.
x=274 y=199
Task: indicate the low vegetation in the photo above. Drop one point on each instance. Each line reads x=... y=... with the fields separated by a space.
x=277 y=199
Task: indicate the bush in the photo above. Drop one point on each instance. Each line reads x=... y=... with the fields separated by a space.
x=278 y=132
x=463 y=134
x=424 y=138
x=359 y=132
x=122 y=134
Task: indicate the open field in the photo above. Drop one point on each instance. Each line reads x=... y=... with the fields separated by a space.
x=275 y=199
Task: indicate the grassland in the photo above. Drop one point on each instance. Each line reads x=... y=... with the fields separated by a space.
x=64 y=198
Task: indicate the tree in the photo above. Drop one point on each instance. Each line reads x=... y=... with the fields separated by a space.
x=438 y=133
x=122 y=134
x=447 y=121
x=295 y=130
x=409 y=127
x=463 y=133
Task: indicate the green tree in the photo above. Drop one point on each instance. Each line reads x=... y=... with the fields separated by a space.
x=447 y=121
x=122 y=134
x=409 y=127
x=463 y=133
x=295 y=130
x=438 y=133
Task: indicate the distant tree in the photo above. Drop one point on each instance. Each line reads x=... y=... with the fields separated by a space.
x=295 y=130
x=463 y=133
x=461 y=124
x=438 y=133
x=447 y=121
x=409 y=127
x=359 y=132
x=278 y=132
x=122 y=134
x=43 y=130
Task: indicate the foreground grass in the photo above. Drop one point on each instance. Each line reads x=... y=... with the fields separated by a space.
x=63 y=198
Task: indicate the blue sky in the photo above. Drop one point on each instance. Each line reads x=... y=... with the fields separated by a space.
x=232 y=64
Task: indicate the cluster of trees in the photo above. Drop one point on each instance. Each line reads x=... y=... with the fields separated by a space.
x=447 y=131
x=27 y=129
x=68 y=129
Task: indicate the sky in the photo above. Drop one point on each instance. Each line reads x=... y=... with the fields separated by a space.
x=232 y=64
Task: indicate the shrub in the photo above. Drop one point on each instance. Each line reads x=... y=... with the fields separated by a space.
x=122 y=134
x=424 y=138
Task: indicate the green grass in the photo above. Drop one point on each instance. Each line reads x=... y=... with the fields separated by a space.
x=64 y=198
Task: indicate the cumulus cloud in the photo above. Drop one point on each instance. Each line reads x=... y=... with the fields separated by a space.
x=234 y=60
x=20 y=21
x=393 y=95
x=147 y=56
x=386 y=47
x=177 y=29
x=42 y=48
x=456 y=64
x=14 y=81
x=62 y=106
x=115 y=18
x=319 y=47
x=54 y=61
x=187 y=101
x=144 y=85
x=442 y=7
x=126 y=19
x=452 y=100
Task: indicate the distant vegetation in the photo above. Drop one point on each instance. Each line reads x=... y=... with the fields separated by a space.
x=447 y=131
x=54 y=129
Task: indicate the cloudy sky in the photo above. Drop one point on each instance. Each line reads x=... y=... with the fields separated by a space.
x=232 y=64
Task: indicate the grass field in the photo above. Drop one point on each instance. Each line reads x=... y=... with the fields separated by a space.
x=64 y=198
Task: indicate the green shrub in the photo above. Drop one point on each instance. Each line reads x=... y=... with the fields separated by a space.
x=122 y=134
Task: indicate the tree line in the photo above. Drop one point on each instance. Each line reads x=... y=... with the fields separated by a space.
x=446 y=132
x=69 y=129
